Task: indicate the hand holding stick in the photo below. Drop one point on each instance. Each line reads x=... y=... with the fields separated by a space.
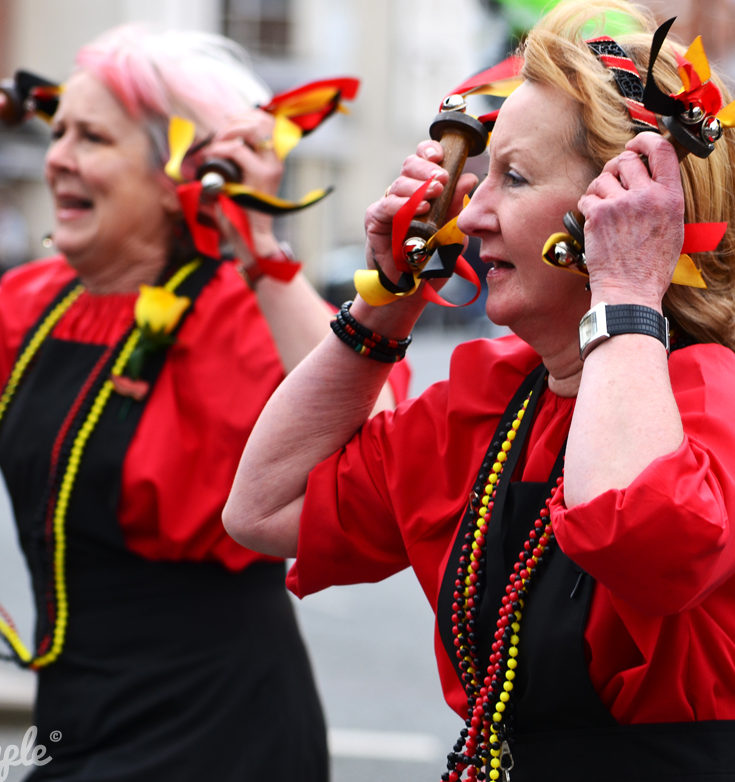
x=461 y=136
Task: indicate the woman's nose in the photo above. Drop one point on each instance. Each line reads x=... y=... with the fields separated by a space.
x=60 y=154
x=479 y=215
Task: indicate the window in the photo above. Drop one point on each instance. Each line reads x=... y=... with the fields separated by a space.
x=263 y=27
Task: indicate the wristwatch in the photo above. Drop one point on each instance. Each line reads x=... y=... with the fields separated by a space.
x=606 y=320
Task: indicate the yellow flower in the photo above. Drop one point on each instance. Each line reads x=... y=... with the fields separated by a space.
x=157 y=310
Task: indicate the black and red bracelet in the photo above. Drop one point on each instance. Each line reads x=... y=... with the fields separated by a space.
x=366 y=342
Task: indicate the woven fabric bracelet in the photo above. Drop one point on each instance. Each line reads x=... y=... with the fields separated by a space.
x=280 y=265
x=366 y=342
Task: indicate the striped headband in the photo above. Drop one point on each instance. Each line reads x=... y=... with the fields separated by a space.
x=628 y=80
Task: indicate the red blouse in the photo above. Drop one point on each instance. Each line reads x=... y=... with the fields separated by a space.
x=218 y=375
x=660 y=637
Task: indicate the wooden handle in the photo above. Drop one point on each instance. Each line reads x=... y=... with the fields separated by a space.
x=461 y=136
x=456 y=147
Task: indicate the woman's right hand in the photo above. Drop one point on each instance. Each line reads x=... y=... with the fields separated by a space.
x=247 y=140
x=416 y=169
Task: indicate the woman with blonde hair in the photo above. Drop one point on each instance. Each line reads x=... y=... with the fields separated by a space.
x=565 y=498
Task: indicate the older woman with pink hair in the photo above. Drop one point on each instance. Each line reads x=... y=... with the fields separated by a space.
x=134 y=366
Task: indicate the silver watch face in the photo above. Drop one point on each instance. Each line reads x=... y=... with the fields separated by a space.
x=588 y=328
x=592 y=329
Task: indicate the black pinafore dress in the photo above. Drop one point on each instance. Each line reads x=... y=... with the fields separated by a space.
x=174 y=670
x=559 y=729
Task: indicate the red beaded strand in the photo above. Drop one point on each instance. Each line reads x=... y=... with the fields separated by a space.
x=481 y=752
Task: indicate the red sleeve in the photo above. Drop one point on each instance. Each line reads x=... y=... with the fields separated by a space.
x=182 y=460
x=393 y=496
x=661 y=631
x=668 y=534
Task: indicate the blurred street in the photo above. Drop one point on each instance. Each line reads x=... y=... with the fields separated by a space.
x=371 y=646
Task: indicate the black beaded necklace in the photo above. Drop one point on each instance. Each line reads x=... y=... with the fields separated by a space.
x=482 y=751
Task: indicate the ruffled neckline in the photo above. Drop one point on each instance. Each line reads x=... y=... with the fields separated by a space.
x=97 y=319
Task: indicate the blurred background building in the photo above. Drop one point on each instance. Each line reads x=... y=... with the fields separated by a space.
x=407 y=53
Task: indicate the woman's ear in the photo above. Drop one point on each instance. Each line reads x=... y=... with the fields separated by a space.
x=170 y=200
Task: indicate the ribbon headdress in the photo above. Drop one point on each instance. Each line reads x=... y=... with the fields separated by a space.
x=693 y=119
x=412 y=257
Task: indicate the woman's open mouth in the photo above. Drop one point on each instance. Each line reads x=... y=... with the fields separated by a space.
x=496 y=263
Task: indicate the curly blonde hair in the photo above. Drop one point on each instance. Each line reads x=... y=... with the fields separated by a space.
x=555 y=54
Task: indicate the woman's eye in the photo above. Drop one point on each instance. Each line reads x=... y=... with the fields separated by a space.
x=514 y=178
x=56 y=133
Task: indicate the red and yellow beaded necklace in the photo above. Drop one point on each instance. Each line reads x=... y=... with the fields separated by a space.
x=51 y=646
x=482 y=751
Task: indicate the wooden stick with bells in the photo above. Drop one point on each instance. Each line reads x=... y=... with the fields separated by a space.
x=214 y=173
x=461 y=136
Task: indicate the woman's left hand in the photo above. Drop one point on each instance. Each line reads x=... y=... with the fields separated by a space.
x=248 y=141
x=634 y=223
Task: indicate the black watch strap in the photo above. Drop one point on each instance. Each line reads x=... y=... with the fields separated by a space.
x=607 y=320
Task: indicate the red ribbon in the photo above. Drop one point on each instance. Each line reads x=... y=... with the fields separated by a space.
x=401 y=223
x=706 y=95
x=345 y=88
x=463 y=270
x=702 y=237
x=507 y=69
x=206 y=238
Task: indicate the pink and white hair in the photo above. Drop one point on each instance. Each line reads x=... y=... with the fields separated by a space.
x=203 y=77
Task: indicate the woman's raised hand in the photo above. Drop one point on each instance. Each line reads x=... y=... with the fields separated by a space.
x=417 y=168
x=634 y=223
x=248 y=141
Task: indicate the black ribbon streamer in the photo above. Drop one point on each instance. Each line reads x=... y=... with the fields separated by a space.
x=654 y=99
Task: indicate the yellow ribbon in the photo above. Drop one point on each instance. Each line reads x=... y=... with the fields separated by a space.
x=367 y=281
x=500 y=89
x=687 y=273
x=181 y=134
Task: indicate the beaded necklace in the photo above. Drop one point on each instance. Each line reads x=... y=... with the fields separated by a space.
x=482 y=751
x=50 y=648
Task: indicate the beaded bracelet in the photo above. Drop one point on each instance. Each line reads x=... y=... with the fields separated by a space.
x=366 y=342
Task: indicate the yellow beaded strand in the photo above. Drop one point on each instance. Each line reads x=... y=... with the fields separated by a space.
x=490 y=487
x=64 y=497
x=21 y=365
x=72 y=468
x=32 y=348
